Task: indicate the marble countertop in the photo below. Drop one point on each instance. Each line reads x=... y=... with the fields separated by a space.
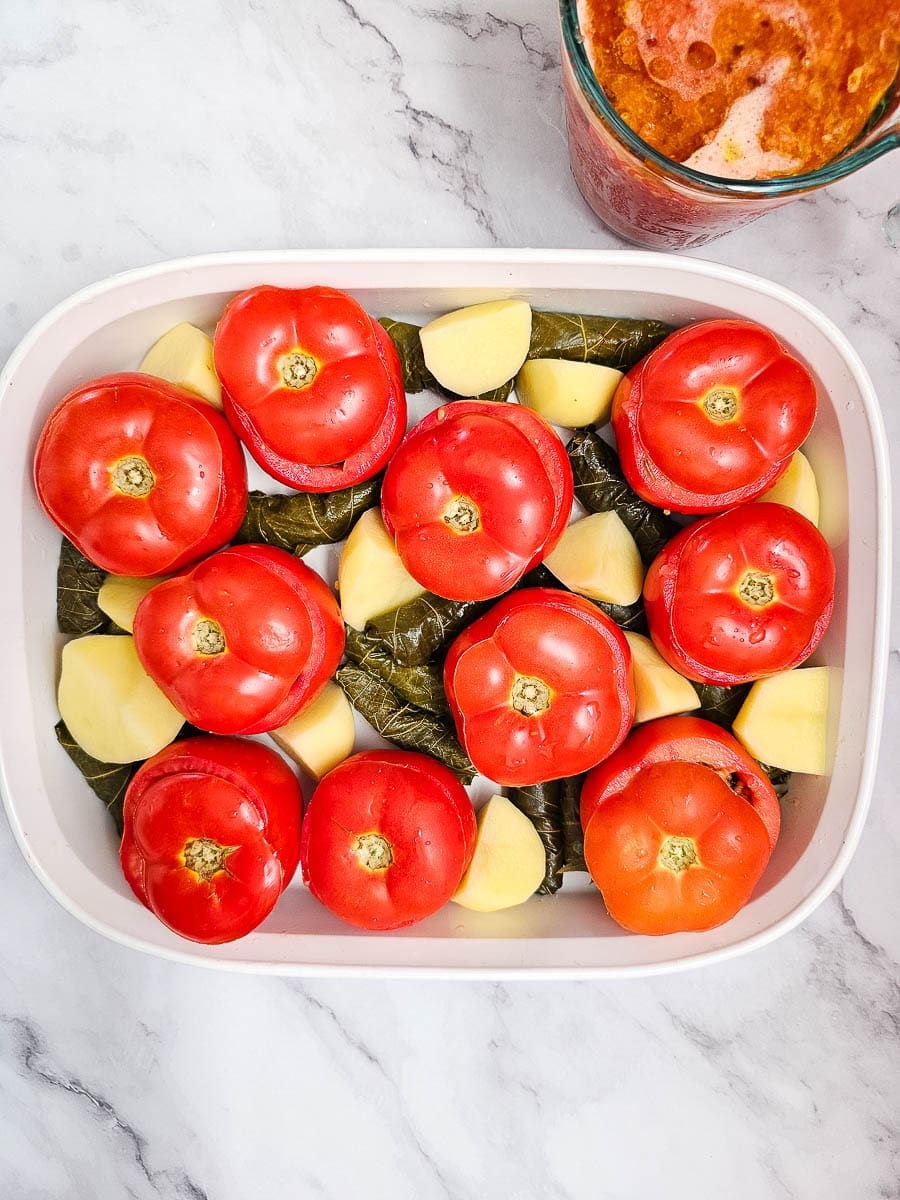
x=131 y=133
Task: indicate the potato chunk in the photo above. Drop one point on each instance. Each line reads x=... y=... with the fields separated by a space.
x=797 y=489
x=119 y=597
x=508 y=864
x=567 y=393
x=184 y=356
x=784 y=720
x=598 y=557
x=111 y=706
x=321 y=735
x=475 y=349
x=371 y=578
x=659 y=690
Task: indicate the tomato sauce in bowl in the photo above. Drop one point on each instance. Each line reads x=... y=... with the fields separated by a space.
x=747 y=90
x=690 y=119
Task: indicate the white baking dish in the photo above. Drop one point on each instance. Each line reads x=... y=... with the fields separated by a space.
x=68 y=839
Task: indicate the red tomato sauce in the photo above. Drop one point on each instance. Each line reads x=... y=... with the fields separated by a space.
x=741 y=89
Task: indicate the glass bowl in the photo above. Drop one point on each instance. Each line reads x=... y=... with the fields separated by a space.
x=651 y=200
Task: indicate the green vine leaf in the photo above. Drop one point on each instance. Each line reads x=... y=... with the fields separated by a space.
x=613 y=341
x=302 y=520
x=108 y=781
x=421 y=685
x=78 y=583
x=404 y=724
x=601 y=487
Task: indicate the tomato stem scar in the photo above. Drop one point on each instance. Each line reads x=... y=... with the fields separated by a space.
x=132 y=476
x=373 y=851
x=530 y=696
x=757 y=589
x=298 y=370
x=721 y=404
x=208 y=637
x=462 y=515
x=205 y=857
x=678 y=853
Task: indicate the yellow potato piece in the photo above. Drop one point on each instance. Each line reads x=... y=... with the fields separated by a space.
x=184 y=355
x=119 y=597
x=508 y=864
x=371 y=578
x=598 y=557
x=567 y=393
x=659 y=690
x=475 y=349
x=321 y=735
x=111 y=706
x=797 y=489
x=784 y=720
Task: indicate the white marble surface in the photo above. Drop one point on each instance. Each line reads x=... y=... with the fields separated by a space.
x=132 y=132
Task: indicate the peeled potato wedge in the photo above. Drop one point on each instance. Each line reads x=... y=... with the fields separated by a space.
x=784 y=720
x=475 y=349
x=111 y=706
x=658 y=688
x=371 y=578
x=119 y=597
x=184 y=355
x=321 y=735
x=797 y=489
x=567 y=393
x=508 y=864
x=597 y=557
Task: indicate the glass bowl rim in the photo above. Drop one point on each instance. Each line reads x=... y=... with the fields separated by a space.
x=837 y=168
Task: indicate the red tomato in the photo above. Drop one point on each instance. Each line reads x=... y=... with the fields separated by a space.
x=675 y=850
x=476 y=495
x=387 y=838
x=244 y=640
x=711 y=417
x=312 y=384
x=684 y=739
x=540 y=687
x=212 y=835
x=742 y=595
x=141 y=476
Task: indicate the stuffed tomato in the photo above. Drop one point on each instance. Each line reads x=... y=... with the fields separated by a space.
x=680 y=823
x=312 y=384
x=676 y=850
x=476 y=495
x=387 y=838
x=243 y=641
x=540 y=687
x=711 y=417
x=742 y=595
x=141 y=476
x=211 y=836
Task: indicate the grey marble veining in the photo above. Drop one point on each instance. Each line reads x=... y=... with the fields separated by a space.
x=133 y=132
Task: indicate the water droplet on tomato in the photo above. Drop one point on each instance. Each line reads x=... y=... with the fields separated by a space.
x=757 y=636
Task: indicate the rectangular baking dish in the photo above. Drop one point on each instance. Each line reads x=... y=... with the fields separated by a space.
x=69 y=841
